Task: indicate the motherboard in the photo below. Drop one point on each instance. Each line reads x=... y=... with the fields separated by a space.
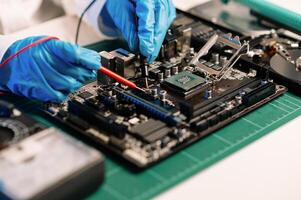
x=204 y=78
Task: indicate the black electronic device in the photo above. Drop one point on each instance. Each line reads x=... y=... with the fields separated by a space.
x=204 y=78
x=38 y=162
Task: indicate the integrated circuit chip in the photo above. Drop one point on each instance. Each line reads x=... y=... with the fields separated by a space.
x=85 y=95
x=185 y=81
x=150 y=130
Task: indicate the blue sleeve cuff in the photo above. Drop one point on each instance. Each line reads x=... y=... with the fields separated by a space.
x=106 y=24
x=5 y=43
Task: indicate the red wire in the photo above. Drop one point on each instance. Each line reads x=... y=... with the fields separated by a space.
x=118 y=78
x=25 y=49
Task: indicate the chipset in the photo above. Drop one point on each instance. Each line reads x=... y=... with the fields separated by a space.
x=184 y=84
x=185 y=81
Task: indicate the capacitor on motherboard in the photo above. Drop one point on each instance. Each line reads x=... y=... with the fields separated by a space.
x=208 y=93
x=167 y=73
x=160 y=76
x=238 y=99
x=174 y=70
x=215 y=58
x=223 y=60
x=163 y=95
x=154 y=92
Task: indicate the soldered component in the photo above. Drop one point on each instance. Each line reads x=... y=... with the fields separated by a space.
x=163 y=95
x=151 y=130
x=154 y=92
x=223 y=61
x=160 y=76
x=153 y=73
x=185 y=81
x=208 y=94
x=175 y=70
x=215 y=58
x=85 y=95
x=124 y=61
x=119 y=61
x=167 y=73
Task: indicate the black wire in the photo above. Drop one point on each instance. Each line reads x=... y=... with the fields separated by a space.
x=81 y=19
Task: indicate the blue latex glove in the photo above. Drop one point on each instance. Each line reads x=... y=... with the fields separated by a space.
x=47 y=71
x=143 y=23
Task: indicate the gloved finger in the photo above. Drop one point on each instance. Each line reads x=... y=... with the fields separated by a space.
x=125 y=21
x=146 y=25
x=164 y=15
x=78 y=72
x=55 y=79
x=75 y=54
x=42 y=92
x=63 y=83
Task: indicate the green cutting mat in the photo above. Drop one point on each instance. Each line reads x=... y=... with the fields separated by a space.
x=122 y=183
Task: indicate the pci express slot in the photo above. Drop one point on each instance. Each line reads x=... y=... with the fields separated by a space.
x=96 y=118
x=152 y=109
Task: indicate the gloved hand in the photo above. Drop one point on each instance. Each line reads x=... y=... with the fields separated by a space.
x=143 y=23
x=47 y=71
